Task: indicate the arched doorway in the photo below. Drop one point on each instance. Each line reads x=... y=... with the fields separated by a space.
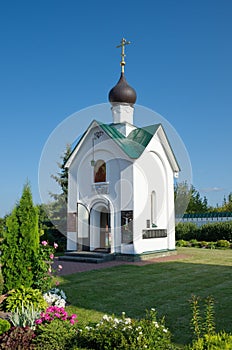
x=100 y=228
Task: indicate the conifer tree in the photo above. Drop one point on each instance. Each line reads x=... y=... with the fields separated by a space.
x=58 y=209
x=20 y=243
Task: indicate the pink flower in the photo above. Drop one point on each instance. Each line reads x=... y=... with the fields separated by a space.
x=57 y=283
x=72 y=321
x=44 y=243
x=74 y=316
x=39 y=321
x=55 y=245
x=60 y=267
x=51 y=256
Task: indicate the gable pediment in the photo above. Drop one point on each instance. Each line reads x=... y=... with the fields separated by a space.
x=132 y=145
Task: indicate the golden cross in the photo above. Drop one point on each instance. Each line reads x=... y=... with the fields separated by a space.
x=122 y=45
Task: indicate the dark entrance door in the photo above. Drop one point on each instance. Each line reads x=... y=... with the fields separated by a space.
x=105 y=230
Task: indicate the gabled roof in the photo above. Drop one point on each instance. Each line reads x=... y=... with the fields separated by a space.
x=134 y=144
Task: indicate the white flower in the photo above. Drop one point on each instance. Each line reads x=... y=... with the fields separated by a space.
x=54 y=299
x=106 y=318
x=127 y=320
x=156 y=324
x=165 y=330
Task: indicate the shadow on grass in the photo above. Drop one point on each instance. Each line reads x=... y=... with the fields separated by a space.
x=165 y=286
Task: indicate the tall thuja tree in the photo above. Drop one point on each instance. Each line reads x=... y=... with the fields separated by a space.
x=20 y=243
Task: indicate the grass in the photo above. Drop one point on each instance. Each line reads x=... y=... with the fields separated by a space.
x=167 y=286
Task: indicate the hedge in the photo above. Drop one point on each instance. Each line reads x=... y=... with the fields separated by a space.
x=208 y=232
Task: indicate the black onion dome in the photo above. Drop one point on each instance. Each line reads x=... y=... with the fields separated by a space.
x=122 y=92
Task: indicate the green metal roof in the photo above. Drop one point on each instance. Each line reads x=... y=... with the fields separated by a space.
x=135 y=143
x=207 y=215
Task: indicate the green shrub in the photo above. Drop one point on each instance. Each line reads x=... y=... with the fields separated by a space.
x=25 y=297
x=217 y=341
x=20 y=244
x=216 y=231
x=194 y=243
x=222 y=243
x=1 y=281
x=203 y=244
x=17 y=338
x=203 y=326
x=210 y=232
x=4 y=326
x=183 y=243
x=211 y=245
x=126 y=334
x=55 y=335
x=42 y=267
x=24 y=317
x=186 y=231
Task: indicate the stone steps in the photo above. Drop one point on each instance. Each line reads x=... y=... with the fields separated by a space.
x=87 y=257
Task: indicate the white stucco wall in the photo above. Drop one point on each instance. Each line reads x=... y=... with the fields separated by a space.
x=152 y=172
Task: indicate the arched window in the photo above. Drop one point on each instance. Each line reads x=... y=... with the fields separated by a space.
x=100 y=171
x=153 y=209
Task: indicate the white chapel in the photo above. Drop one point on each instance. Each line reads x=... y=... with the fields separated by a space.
x=121 y=183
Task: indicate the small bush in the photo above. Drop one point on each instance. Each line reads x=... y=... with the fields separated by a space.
x=203 y=326
x=1 y=282
x=203 y=244
x=126 y=334
x=24 y=317
x=17 y=338
x=186 y=231
x=217 y=341
x=56 y=335
x=183 y=243
x=4 y=326
x=211 y=245
x=25 y=297
x=222 y=243
x=194 y=243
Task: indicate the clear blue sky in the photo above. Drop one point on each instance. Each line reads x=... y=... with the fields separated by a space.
x=58 y=57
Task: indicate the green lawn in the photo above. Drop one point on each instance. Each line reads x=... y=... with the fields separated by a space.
x=167 y=286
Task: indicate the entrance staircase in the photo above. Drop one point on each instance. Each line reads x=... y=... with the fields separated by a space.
x=94 y=257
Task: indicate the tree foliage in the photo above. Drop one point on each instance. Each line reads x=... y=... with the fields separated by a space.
x=226 y=205
x=57 y=210
x=61 y=177
x=196 y=203
x=20 y=243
